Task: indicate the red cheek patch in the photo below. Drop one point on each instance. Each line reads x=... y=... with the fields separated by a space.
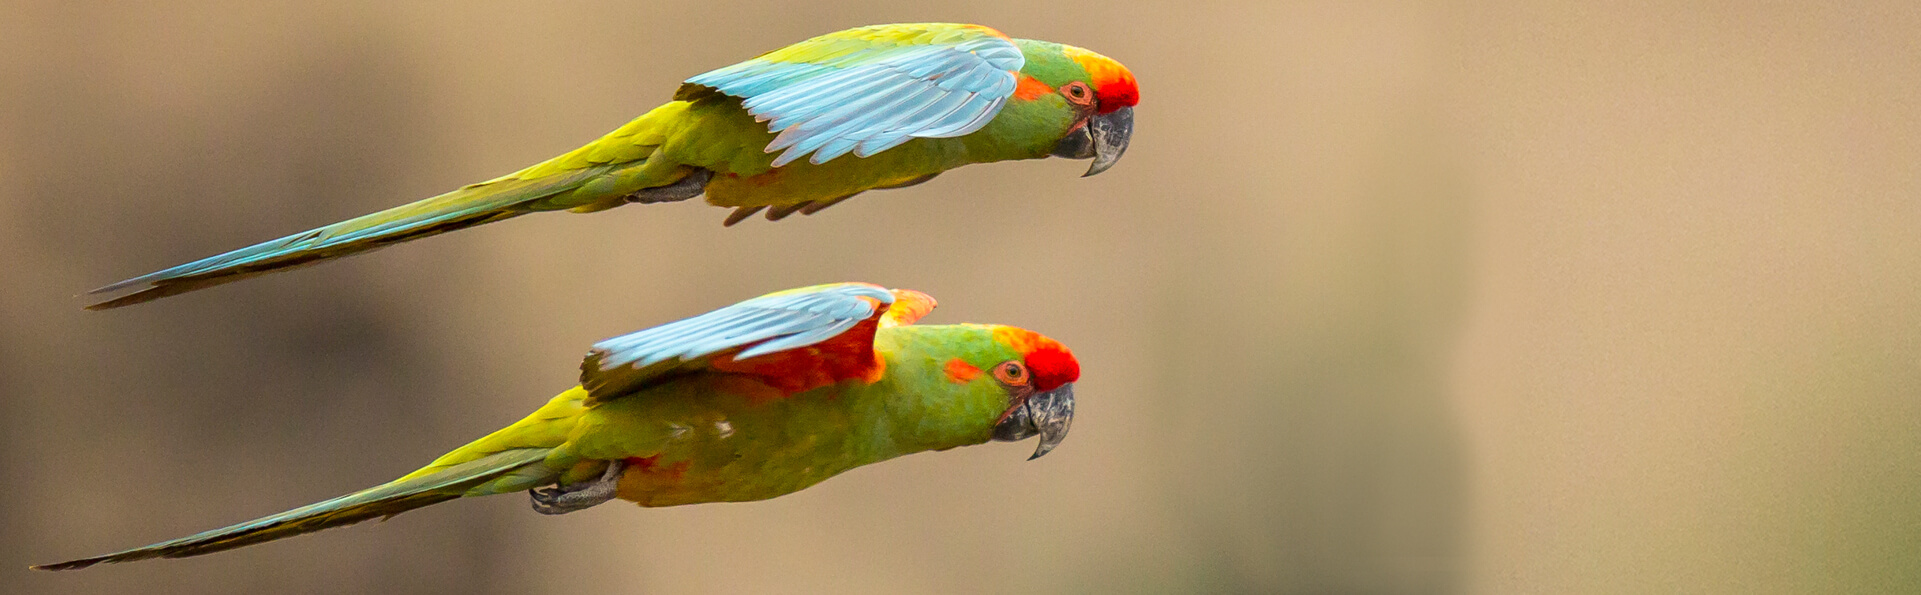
x=1031 y=88
x=960 y=372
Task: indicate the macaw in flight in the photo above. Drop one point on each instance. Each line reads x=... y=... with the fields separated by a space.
x=906 y=101
x=752 y=401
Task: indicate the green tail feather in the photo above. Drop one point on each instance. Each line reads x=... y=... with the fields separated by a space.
x=522 y=467
x=467 y=207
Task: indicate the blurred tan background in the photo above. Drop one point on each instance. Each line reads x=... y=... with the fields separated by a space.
x=1504 y=297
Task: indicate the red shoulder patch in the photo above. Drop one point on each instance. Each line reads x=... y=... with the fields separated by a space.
x=847 y=356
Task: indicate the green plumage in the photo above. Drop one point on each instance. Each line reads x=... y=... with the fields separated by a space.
x=703 y=437
x=707 y=132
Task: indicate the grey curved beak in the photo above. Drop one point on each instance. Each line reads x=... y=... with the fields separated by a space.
x=1103 y=139
x=1111 y=133
x=1048 y=415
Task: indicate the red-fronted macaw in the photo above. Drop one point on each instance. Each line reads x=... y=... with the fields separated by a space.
x=756 y=400
x=906 y=101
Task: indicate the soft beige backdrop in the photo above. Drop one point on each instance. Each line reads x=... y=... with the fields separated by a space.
x=1507 y=297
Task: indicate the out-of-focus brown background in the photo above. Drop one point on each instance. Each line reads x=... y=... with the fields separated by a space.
x=1500 y=297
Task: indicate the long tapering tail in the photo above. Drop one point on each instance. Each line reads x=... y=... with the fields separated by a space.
x=473 y=205
x=520 y=469
x=519 y=457
x=619 y=167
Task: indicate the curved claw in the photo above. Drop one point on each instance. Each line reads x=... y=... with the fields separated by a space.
x=687 y=187
x=565 y=499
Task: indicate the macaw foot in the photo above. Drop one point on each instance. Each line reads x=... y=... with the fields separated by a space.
x=581 y=496
x=688 y=187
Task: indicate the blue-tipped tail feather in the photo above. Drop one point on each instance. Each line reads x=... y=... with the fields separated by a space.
x=473 y=205
x=469 y=478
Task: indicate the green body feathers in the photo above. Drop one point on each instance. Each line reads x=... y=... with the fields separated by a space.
x=709 y=139
x=703 y=437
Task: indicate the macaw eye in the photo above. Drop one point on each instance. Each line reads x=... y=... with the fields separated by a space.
x=1011 y=373
x=1077 y=93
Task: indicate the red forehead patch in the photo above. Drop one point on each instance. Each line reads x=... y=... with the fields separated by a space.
x=1049 y=361
x=1118 y=94
x=1053 y=367
x=1113 y=83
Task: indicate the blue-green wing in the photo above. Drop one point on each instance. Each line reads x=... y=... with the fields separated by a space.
x=771 y=323
x=870 y=89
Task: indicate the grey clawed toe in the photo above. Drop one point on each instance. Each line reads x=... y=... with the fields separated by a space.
x=559 y=499
x=687 y=187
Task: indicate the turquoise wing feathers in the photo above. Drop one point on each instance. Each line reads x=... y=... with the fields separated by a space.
x=866 y=90
x=763 y=325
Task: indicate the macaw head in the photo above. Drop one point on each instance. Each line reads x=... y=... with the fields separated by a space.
x=1094 y=94
x=1003 y=383
x=1040 y=387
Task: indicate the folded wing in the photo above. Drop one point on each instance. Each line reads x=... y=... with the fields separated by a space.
x=793 y=340
x=870 y=89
